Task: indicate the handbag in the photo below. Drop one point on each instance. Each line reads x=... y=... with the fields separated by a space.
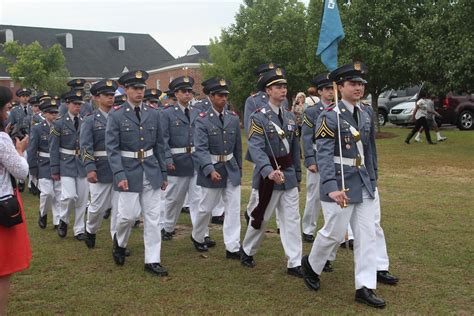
x=10 y=210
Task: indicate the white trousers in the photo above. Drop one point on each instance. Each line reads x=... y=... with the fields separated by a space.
x=313 y=203
x=103 y=197
x=74 y=194
x=286 y=203
x=49 y=198
x=381 y=246
x=219 y=209
x=176 y=192
x=211 y=197
x=129 y=206
x=362 y=219
x=252 y=204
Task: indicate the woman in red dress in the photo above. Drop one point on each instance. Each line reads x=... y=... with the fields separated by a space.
x=15 y=251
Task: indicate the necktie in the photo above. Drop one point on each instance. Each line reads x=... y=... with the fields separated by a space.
x=355 y=116
x=25 y=110
x=137 y=112
x=76 y=122
x=221 y=117
x=186 y=112
x=280 y=117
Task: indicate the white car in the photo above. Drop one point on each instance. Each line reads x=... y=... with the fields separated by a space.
x=402 y=113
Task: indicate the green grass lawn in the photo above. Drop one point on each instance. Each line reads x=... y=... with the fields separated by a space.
x=427 y=196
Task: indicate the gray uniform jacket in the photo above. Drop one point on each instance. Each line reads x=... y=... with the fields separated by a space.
x=178 y=132
x=370 y=111
x=214 y=138
x=39 y=142
x=308 y=132
x=64 y=135
x=18 y=117
x=93 y=140
x=125 y=133
x=37 y=118
x=203 y=105
x=259 y=146
x=327 y=142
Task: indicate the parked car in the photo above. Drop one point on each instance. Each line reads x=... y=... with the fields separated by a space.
x=402 y=113
x=390 y=98
x=457 y=110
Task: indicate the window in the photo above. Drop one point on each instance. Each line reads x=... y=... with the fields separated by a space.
x=158 y=84
x=69 y=40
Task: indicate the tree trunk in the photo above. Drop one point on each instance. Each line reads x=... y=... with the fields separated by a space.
x=375 y=107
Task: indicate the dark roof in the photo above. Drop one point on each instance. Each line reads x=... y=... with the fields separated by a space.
x=202 y=55
x=93 y=53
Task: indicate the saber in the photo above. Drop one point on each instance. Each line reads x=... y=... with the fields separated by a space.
x=282 y=176
x=334 y=85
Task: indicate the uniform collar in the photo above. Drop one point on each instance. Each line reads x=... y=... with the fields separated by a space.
x=182 y=107
x=350 y=106
x=274 y=108
x=71 y=116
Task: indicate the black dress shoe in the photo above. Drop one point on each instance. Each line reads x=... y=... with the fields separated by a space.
x=350 y=242
x=246 y=260
x=209 y=242
x=201 y=247
x=118 y=253
x=21 y=185
x=107 y=213
x=386 y=278
x=407 y=141
x=62 y=229
x=80 y=237
x=156 y=269
x=43 y=221
x=219 y=220
x=127 y=252
x=137 y=224
x=55 y=227
x=328 y=267
x=311 y=278
x=368 y=297
x=278 y=231
x=185 y=209
x=165 y=235
x=296 y=271
x=90 y=240
x=308 y=238
x=232 y=255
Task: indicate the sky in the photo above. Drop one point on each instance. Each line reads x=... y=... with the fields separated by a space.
x=176 y=25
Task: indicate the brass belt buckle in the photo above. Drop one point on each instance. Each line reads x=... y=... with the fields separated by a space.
x=221 y=158
x=77 y=152
x=188 y=150
x=358 y=161
x=141 y=154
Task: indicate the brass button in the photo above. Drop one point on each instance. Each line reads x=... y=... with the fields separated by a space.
x=141 y=138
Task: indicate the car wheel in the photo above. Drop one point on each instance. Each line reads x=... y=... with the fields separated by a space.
x=465 y=120
x=382 y=117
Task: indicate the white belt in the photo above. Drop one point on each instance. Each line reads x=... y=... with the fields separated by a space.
x=315 y=148
x=352 y=162
x=43 y=154
x=100 y=153
x=72 y=152
x=221 y=158
x=183 y=150
x=142 y=154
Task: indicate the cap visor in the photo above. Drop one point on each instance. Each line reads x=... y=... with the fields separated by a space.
x=277 y=81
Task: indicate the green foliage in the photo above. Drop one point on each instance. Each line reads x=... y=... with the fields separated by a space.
x=264 y=31
x=36 y=67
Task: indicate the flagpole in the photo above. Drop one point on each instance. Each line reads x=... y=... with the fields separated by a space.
x=343 y=180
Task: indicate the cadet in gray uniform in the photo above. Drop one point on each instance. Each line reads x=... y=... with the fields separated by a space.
x=252 y=103
x=86 y=108
x=308 y=131
x=39 y=163
x=94 y=155
x=219 y=155
x=36 y=110
x=20 y=115
x=343 y=139
x=135 y=147
x=120 y=99
x=152 y=98
x=274 y=147
x=67 y=166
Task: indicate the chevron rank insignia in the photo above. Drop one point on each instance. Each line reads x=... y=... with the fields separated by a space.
x=254 y=128
x=54 y=132
x=307 y=122
x=87 y=156
x=324 y=131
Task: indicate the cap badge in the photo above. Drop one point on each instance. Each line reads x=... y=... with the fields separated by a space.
x=153 y=91
x=222 y=82
x=186 y=79
x=271 y=66
x=357 y=66
x=138 y=75
x=53 y=102
x=78 y=94
x=78 y=81
x=278 y=72
x=108 y=83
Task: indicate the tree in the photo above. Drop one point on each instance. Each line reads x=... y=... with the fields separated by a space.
x=35 y=67
x=264 y=30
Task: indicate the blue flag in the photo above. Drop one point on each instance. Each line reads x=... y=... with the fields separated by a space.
x=330 y=35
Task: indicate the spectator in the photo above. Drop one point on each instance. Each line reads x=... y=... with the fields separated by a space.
x=312 y=98
x=298 y=109
x=430 y=118
x=15 y=251
x=420 y=115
